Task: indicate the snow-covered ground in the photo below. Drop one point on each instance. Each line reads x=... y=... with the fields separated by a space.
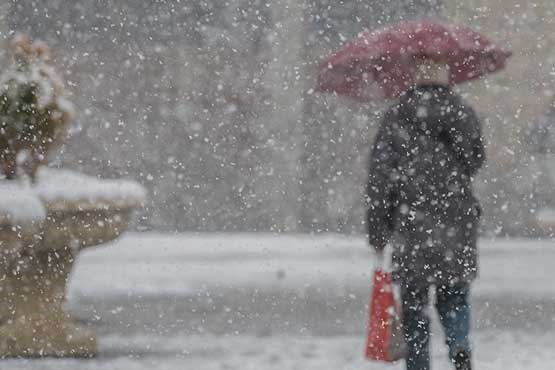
x=284 y=302
x=183 y=264
x=497 y=351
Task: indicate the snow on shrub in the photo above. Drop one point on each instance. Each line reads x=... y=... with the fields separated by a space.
x=34 y=113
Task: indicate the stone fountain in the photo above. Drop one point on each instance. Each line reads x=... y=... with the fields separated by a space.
x=47 y=216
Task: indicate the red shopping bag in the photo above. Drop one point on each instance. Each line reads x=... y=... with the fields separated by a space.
x=385 y=336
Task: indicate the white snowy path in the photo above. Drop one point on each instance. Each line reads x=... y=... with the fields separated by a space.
x=151 y=263
x=267 y=302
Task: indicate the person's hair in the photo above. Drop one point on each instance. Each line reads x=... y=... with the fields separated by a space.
x=431 y=72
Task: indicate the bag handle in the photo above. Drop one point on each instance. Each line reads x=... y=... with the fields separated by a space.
x=379 y=262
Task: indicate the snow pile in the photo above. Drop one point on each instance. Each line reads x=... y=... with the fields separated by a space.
x=57 y=187
x=19 y=204
x=58 y=190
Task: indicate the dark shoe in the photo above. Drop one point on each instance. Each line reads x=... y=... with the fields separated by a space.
x=462 y=361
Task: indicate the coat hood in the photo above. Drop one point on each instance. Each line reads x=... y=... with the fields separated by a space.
x=436 y=111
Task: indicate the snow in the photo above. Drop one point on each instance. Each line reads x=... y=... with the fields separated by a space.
x=19 y=204
x=498 y=351
x=56 y=186
x=23 y=203
x=131 y=116
x=211 y=105
x=184 y=263
x=171 y=302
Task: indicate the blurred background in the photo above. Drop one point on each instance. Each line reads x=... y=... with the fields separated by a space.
x=210 y=105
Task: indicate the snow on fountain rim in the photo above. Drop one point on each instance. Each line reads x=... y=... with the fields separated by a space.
x=56 y=186
x=19 y=204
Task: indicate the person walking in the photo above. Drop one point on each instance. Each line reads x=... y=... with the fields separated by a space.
x=427 y=151
x=419 y=198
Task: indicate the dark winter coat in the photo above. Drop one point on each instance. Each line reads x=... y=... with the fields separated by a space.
x=419 y=196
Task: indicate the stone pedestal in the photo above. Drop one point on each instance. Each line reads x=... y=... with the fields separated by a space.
x=35 y=266
x=36 y=272
x=34 y=322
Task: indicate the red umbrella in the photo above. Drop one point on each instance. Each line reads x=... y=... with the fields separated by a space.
x=382 y=63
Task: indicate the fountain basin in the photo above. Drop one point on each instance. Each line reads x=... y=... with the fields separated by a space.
x=64 y=212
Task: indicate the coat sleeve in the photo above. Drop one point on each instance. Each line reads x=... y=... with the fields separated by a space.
x=466 y=133
x=380 y=192
x=477 y=155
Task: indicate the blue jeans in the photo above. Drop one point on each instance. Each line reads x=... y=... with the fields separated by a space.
x=454 y=312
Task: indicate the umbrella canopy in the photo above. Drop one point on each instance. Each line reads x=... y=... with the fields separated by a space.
x=383 y=63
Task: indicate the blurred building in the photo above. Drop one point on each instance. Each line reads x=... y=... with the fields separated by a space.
x=540 y=134
x=540 y=138
x=509 y=102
